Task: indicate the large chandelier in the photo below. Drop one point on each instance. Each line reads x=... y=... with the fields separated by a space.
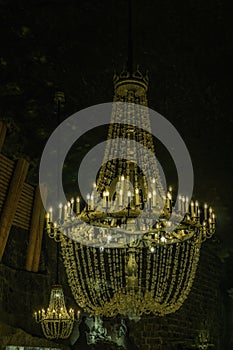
x=123 y=254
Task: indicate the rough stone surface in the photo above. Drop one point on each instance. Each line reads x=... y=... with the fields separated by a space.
x=15 y=336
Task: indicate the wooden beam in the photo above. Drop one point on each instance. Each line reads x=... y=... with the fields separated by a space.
x=3 y=130
x=11 y=202
x=36 y=233
x=37 y=253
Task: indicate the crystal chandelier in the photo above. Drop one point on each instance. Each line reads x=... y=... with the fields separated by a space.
x=56 y=321
x=123 y=254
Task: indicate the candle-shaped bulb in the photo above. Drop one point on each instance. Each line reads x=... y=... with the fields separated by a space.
x=179 y=202
x=65 y=211
x=205 y=211
x=77 y=205
x=51 y=213
x=192 y=208
x=137 y=200
x=60 y=211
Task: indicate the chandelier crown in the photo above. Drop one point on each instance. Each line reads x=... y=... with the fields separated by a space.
x=135 y=79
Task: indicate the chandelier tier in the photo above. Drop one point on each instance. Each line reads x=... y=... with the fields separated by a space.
x=122 y=253
x=56 y=321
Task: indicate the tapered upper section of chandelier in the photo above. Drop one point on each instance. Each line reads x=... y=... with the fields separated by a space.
x=135 y=82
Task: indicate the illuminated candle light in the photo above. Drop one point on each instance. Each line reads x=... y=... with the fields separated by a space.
x=183 y=205
x=92 y=202
x=47 y=220
x=77 y=205
x=205 y=211
x=168 y=201
x=149 y=200
x=213 y=220
x=196 y=208
x=88 y=201
x=154 y=199
x=104 y=200
x=68 y=209
x=204 y=227
x=179 y=202
x=137 y=200
x=129 y=198
x=65 y=212
x=51 y=214
x=210 y=221
x=121 y=198
x=187 y=204
x=60 y=211
x=210 y=211
x=192 y=209
x=71 y=206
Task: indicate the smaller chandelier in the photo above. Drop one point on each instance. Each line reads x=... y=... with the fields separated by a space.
x=56 y=322
x=203 y=341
